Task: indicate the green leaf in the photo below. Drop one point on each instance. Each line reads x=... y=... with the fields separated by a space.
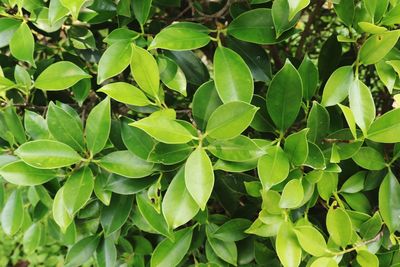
x=60 y=76
x=281 y=15
x=296 y=147
x=126 y=164
x=141 y=9
x=369 y=158
x=13 y=213
x=324 y=261
x=255 y=26
x=273 y=167
x=8 y=26
x=164 y=129
x=284 y=96
x=233 y=230
x=233 y=78
x=309 y=76
x=238 y=149
x=32 y=237
x=296 y=6
x=22 y=44
x=169 y=154
x=339 y=226
x=98 y=125
x=125 y=186
x=64 y=127
x=311 y=240
x=99 y=189
x=60 y=213
x=178 y=206
x=121 y=35
x=125 y=93
x=354 y=183
x=370 y=228
x=366 y=258
x=389 y=202
x=371 y=28
x=136 y=140
x=144 y=70
x=14 y=124
x=22 y=77
x=114 y=216
x=114 y=60
x=170 y=253
x=337 y=87
x=77 y=190
x=327 y=184
x=20 y=173
x=362 y=105
x=81 y=252
x=74 y=6
x=106 y=253
x=152 y=217
x=377 y=46
x=230 y=120
x=385 y=129
x=287 y=246
x=292 y=194
x=376 y=8
x=199 y=177
x=47 y=154
x=56 y=11
x=181 y=36
x=315 y=157
x=351 y=121
x=318 y=122
x=172 y=75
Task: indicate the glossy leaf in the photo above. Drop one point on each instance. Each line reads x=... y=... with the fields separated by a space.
x=20 y=173
x=296 y=147
x=115 y=215
x=389 y=201
x=362 y=105
x=377 y=46
x=287 y=246
x=339 y=226
x=22 y=44
x=311 y=240
x=81 y=252
x=273 y=167
x=74 y=6
x=114 y=60
x=385 y=128
x=337 y=87
x=98 y=125
x=12 y=213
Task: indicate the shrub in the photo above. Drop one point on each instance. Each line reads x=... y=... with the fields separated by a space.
x=203 y=133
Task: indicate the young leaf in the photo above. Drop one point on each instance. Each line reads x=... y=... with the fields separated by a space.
x=178 y=206
x=311 y=240
x=144 y=70
x=13 y=213
x=98 y=125
x=366 y=258
x=281 y=16
x=172 y=75
x=81 y=252
x=296 y=147
x=60 y=213
x=8 y=26
x=362 y=105
x=126 y=164
x=170 y=253
x=114 y=60
x=337 y=87
x=377 y=46
x=385 y=129
x=77 y=190
x=233 y=78
x=230 y=120
x=339 y=226
x=273 y=167
x=47 y=154
x=285 y=86
x=199 y=177
x=292 y=194
x=324 y=261
x=60 y=76
x=74 y=6
x=115 y=215
x=20 y=173
x=181 y=36
x=287 y=246
x=389 y=202
x=296 y=6
x=369 y=158
x=351 y=121
x=22 y=44
x=32 y=237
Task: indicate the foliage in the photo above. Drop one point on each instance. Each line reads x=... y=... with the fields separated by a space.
x=200 y=133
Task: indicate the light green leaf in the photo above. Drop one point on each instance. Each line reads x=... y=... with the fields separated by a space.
x=178 y=206
x=60 y=76
x=22 y=77
x=199 y=177
x=367 y=259
x=126 y=164
x=292 y=194
x=318 y=122
x=376 y=8
x=351 y=121
x=32 y=237
x=377 y=46
x=369 y=158
x=327 y=184
x=20 y=173
x=22 y=44
x=339 y=226
x=311 y=240
x=287 y=246
x=233 y=78
x=232 y=230
x=77 y=190
x=115 y=215
x=81 y=252
x=35 y=125
x=337 y=87
x=47 y=154
x=125 y=93
x=74 y=6
x=114 y=60
x=324 y=261
x=169 y=154
x=354 y=183
x=13 y=213
x=295 y=6
x=296 y=147
x=371 y=28
x=386 y=128
x=273 y=167
x=56 y=11
x=98 y=125
x=280 y=15
x=181 y=36
x=172 y=75
x=389 y=202
x=60 y=213
x=144 y=70
x=170 y=253
x=8 y=26
x=230 y=120
x=362 y=105
x=284 y=96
